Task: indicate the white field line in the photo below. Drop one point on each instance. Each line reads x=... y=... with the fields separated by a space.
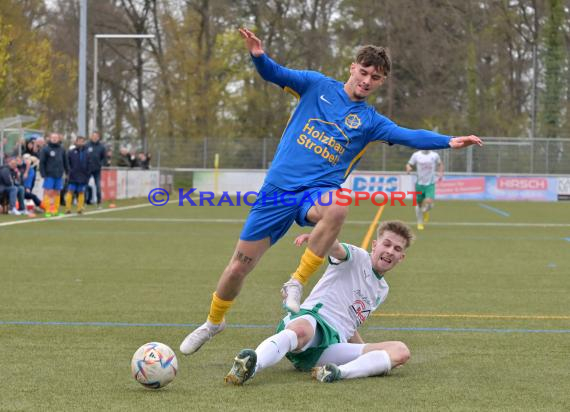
x=49 y=219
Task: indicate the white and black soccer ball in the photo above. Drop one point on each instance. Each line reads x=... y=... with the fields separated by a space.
x=154 y=365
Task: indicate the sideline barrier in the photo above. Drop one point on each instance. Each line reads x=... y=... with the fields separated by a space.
x=128 y=183
x=123 y=183
x=470 y=187
x=453 y=186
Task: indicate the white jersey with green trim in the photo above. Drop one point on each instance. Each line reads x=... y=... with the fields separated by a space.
x=426 y=166
x=348 y=292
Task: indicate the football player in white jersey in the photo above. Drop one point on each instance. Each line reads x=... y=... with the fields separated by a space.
x=427 y=164
x=323 y=336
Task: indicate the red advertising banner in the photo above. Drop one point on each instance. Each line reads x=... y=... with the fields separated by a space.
x=457 y=186
x=522 y=183
x=109 y=184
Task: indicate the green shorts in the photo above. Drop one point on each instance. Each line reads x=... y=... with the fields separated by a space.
x=427 y=192
x=306 y=360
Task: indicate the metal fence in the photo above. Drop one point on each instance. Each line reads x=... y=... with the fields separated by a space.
x=498 y=156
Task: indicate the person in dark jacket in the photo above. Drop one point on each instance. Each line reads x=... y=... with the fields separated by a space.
x=97 y=158
x=53 y=165
x=124 y=158
x=78 y=175
x=144 y=160
x=7 y=187
x=16 y=168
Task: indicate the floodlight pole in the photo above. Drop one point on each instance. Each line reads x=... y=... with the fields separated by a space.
x=82 y=86
x=95 y=67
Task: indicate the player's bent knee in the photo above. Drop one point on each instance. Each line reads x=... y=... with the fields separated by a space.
x=304 y=333
x=300 y=331
x=237 y=269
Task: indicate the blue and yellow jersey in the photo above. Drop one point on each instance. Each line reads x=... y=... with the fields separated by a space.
x=327 y=133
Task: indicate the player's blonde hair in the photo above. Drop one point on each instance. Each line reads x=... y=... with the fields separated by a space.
x=397 y=227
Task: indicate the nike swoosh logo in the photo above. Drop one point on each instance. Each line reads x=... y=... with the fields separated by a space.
x=324 y=100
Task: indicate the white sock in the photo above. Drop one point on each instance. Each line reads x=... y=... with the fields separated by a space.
x=372 y=363
x=419 y=215
x=274 y=348
x=212 y=326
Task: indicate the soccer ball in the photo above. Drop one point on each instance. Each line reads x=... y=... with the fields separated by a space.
x=154 y=365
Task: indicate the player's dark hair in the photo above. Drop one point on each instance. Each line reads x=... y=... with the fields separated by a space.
x=374 y=56
x=397 y=227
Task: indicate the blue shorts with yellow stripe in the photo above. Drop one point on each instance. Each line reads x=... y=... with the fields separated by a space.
x=76 y=187
x=53 y=183
x=275 y=210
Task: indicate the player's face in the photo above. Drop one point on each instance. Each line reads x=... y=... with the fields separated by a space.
x=363 y=81
x=388 y=251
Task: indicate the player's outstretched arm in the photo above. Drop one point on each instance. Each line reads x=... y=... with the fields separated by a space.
x=296 y=80
x=336 y=251
x=304 y=238
x=252 y=43
x=463 y=141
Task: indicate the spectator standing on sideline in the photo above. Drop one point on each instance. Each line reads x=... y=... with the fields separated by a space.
x=97 y=158
x=78 y=175
x=53 y=165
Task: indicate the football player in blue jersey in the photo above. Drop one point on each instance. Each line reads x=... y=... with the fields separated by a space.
x=323 y=141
